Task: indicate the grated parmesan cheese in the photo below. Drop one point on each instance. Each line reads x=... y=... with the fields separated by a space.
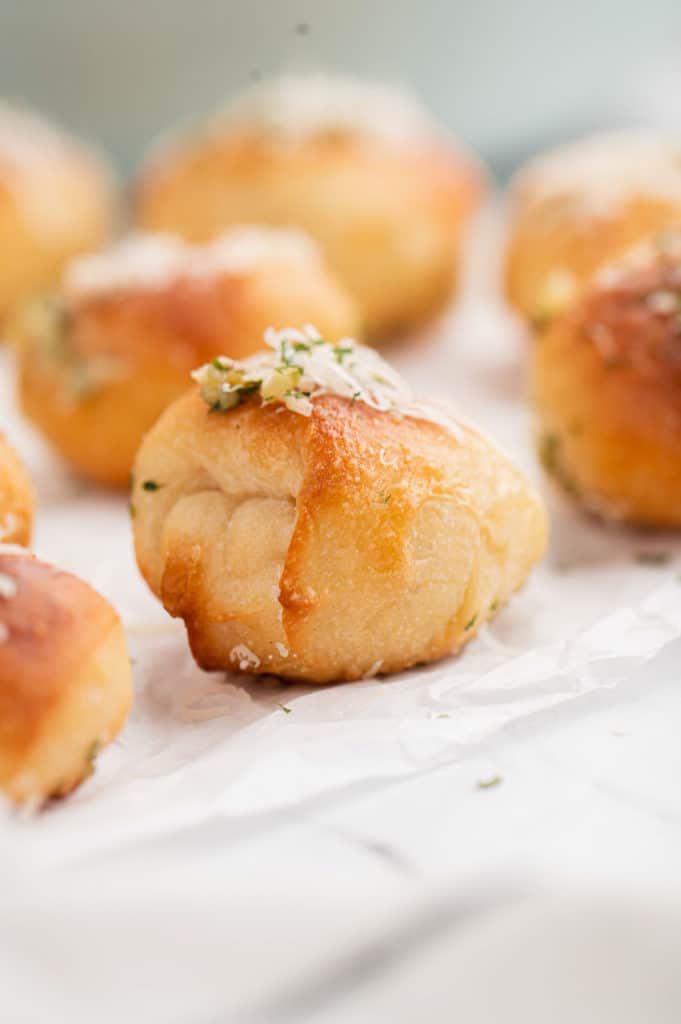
x=306 y=105
x=302 y=366
x=148 y=262
x=385 y=461
x=600 y=172
x=244 y=657
x=664 y=249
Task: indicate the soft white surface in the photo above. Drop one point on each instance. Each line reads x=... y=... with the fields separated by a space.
x=341 y=863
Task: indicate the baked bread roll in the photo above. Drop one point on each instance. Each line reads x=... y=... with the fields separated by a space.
x=306 y=518
x=607 y=387
x=100 y=361
x=358 y=166
x=65 y=681
x=580 y=206
x=56 y=200
x=16 y=497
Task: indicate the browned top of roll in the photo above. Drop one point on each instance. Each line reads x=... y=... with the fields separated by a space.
x=50 y=622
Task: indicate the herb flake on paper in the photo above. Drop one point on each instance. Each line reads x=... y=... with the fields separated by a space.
x=490 y=782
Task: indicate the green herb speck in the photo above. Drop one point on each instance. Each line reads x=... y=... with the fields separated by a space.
x=550 y=451
x=91 y=755
x=287 y=711
x=471 y=622
x=340 y=352
x=151 y=485
x=489 y=783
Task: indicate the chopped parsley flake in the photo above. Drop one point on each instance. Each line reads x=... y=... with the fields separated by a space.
x=300 y=365
x=151 y=485
x=550 y=456
x=91 y=755
x=287 y=711
x=471 y=623
x=489 y=783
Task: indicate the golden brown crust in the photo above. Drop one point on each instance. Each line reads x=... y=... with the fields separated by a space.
x=16 y=497
x=550 y=244
x=391 y=221
x=65 y=686
x=327 y=547
x=607 y=383
x=138 y=347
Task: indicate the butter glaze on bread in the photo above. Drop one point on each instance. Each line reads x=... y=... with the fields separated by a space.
x=580 y=206
x=607 y=388
x=102 y=362
x=330 y=546
x=16 y=497
x=387 y=197
x=65 y=683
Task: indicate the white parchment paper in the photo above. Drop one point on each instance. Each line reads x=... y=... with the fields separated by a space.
x=592 y=617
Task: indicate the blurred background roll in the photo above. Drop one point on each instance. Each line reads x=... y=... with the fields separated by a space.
x=101 y=358
x=56 y=201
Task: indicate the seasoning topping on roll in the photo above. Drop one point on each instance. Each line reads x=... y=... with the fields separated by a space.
x=302 y=366
x=299 y=107
x=148 y=262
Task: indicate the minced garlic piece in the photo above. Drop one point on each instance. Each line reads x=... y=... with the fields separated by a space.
x=302 y=366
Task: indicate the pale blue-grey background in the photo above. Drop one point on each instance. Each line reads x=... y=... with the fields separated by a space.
x=507 y=76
